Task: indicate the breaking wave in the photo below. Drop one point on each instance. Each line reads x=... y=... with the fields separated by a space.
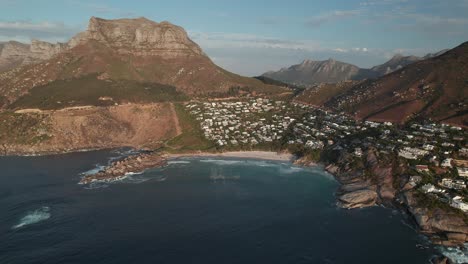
x=221 y=162
x=457 y=255
x=178 y=162
x=94 y=170
x=290 y=169
x=33 y=217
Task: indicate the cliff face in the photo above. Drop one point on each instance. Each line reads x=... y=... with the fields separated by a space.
x=14 y=54
x=139 y=36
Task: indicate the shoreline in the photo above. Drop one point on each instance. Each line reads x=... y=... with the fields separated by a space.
x=260 y=155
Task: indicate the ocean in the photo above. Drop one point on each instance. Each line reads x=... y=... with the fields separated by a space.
x=195 y=210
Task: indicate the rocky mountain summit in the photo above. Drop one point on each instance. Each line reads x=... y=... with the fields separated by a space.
x=313 y=72
x=395 y=63
x=14 y=54
x=137 y=50
x=139 y=36
x=399 y=61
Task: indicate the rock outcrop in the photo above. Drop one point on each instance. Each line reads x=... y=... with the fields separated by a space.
x=358 y=199
x=384 y=182
x=446 y=227
x=119 y=169
x=15 y=54
x=139 y=36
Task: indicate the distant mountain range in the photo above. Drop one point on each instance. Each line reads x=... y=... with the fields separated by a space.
x=331 y=71
x=433 y=88
x=114 y=54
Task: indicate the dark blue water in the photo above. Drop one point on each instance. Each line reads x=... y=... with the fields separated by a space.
x=194 y=211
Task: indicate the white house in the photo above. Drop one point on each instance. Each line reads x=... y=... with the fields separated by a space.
x=457 y=202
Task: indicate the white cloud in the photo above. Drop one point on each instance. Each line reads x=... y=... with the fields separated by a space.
x=22 y=30
x=333 y=16
x=240 y=40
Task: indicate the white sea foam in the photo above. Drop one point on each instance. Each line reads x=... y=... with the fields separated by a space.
x=94 y=170
x=457 y=255
x=178 y=162
x=221 y=162
x=224 y=178
x=33 y=217
x=290 y=169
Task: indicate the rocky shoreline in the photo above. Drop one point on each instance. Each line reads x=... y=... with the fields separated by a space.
x=380 y=182
x=120 y=169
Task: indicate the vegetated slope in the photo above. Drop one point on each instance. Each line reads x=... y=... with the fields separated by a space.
x=88 y=90
x=314 y=72
x=129 y=49
x=72 y=129
x=319 y=94
x=434 y=88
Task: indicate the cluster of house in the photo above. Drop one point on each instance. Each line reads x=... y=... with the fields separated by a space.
x=251 y=122
x=429 y=147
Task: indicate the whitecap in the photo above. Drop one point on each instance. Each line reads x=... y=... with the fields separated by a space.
x=457 y=255
x=290 y=169
x=221 y=162
x=33 y=217
x=178 y=162
x=94 y=170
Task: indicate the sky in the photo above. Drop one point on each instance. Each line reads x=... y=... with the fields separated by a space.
x=252 y=37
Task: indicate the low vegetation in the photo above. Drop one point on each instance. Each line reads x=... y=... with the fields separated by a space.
x=89 y=90
x=192 y=137
x=24 y=129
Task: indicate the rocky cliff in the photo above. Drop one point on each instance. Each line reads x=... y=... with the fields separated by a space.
x=15 y=54
x=140 y=37
x=380 y=180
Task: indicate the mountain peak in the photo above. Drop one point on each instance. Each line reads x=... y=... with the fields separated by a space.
x=139 y=36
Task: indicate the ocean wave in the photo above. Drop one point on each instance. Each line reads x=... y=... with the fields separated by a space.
x=33 y=217
x=94 y=170
x=290 y=169
x=178 y=162
x=224 y=178
x=457 y=255
x=221 y=161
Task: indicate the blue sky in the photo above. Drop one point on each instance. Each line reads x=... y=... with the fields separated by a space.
x=251 y=37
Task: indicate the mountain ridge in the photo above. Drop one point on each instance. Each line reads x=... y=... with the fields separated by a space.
x=137 y=50
x=311 y=72
x=435 y=88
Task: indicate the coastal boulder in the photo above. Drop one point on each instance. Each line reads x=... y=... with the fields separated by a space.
x=358 y=199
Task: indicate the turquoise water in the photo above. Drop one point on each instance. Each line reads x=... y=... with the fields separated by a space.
x=192 y=211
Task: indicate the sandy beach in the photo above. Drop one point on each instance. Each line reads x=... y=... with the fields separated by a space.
x=263 y=155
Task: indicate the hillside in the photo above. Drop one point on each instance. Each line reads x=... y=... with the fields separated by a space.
x=32 y=131
x=434 y=88
x=320 y=94
x=137 y=50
